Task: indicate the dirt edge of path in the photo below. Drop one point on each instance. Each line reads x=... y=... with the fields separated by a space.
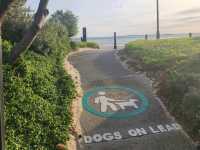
x=124 y=63
x=76 y=108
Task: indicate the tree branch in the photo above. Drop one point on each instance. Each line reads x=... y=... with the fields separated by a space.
x=30 y=35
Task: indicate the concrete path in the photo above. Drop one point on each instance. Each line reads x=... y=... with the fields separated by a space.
x=120 y=109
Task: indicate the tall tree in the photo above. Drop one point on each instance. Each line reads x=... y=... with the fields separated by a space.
x=68 y=19
x=16 y=21
x=4 y=6
x=32 y=32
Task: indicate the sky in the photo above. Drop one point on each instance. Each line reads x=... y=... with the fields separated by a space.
x=130 y=17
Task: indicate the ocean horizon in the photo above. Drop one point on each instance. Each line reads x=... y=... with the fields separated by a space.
x=108 y=41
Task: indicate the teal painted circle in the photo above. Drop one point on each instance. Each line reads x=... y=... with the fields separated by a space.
x=123 y=115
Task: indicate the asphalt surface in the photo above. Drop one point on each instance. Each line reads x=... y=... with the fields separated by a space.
x=151 y=129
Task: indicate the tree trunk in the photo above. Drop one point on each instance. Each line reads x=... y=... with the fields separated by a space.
x=2 y=130
x=30 y=35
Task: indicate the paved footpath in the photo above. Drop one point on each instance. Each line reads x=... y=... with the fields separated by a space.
x=120 y=109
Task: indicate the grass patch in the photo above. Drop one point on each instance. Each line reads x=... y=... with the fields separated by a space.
x=76 y=45
x=176 y=62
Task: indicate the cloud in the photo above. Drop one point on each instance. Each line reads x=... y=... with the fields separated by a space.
x=189 y=19
x=189 y=23
x=103 y=17
x=189 y=11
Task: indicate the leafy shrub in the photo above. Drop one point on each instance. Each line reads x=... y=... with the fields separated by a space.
x=182 y=96
x=74 y=45
x=38 y=94
x=53 y=40
x=82 y=44
x=16 y=22
x=68 y=20
x=6 y=46
x=92 y=45
x=88 y=44
x=191 y=112
x=178 y=60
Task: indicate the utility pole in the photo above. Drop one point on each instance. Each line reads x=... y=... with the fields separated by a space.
x=158 y=23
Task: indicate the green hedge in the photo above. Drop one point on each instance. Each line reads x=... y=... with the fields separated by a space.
x=38 y=94
x=181 y=88
x=92 y=45
x=176 y=62
x=76 y=45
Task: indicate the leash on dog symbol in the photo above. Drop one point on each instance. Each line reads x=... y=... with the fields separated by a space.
x=113 y=104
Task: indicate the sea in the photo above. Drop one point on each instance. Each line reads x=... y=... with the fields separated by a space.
x=108 y=42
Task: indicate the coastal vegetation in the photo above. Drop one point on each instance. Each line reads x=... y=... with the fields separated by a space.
x=88 y=44
x=77 y=45
x=38 y=92
x=174 y=66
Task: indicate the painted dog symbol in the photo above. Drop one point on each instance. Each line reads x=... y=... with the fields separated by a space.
x=113 y=104
x=129 y=103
